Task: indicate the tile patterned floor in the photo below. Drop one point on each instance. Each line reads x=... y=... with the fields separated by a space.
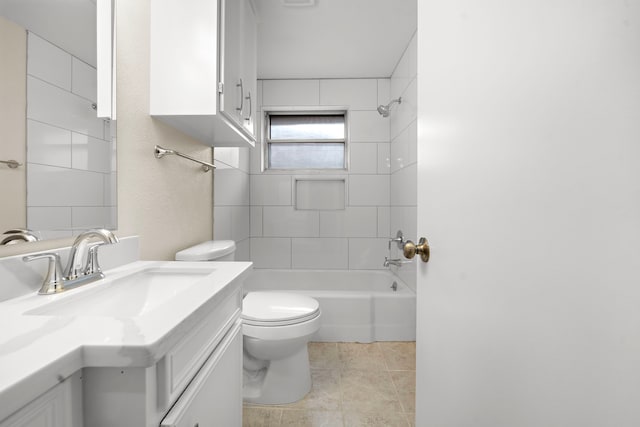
x=353 y=385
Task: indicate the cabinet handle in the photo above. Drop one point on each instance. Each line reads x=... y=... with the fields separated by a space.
x=241 y=97
x=248 y=119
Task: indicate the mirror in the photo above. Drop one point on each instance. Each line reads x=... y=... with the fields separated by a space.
x=66 y=181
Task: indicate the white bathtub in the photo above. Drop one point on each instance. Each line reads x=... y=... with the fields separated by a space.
x=357 y=306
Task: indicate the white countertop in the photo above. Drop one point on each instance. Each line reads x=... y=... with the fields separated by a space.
x=39 y=351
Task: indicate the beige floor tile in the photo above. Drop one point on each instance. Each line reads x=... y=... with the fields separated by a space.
x=303 y=418
x=259 y=416
x=375 y=419
x=405 y=382
x=325 y=392
x=361 y=356
x=368 y=391
x=399 y=355
x=323 y=355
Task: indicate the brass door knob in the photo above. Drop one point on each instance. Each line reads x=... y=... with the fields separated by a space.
x=410 y=249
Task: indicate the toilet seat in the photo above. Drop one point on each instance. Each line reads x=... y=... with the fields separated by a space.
x=279 y=315
x=278 y=308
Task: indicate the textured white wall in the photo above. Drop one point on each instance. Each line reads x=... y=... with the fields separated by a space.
x=167 y=202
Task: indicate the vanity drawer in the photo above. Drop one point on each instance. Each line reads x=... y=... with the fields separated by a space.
x=214 y=397
x=182 y=362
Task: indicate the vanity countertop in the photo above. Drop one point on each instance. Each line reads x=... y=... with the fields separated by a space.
x=40 y=347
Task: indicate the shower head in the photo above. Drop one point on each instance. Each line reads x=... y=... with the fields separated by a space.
x=385 y=110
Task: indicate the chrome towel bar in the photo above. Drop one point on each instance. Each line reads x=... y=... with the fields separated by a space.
x=160 y=152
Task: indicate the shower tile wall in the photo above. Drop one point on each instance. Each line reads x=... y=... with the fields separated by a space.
x=231 y=216
x=354 y=238
x=404 y=137
x=70 y=155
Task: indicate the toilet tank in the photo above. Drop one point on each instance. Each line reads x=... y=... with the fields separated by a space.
x=213 y=250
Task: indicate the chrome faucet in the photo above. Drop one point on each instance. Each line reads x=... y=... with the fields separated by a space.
x=76 y=273
x=74 y=268
x=395 y=261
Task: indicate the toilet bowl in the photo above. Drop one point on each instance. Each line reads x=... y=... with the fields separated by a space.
x=276 y=329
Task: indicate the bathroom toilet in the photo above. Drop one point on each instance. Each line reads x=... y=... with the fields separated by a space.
x=276 y=329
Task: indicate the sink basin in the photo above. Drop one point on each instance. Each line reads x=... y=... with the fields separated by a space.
x=129 y=296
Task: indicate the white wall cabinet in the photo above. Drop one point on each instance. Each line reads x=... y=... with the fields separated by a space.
x=203 y=69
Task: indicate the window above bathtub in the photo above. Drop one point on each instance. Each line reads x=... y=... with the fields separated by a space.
x=306 y=140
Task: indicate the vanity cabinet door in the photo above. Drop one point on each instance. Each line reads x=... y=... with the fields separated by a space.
x=61 y=406
x=214 y=397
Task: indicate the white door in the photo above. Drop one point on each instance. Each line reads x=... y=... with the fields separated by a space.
x=529 y=193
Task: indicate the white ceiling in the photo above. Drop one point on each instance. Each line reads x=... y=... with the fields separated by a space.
x=69 y=24
x=333 y=38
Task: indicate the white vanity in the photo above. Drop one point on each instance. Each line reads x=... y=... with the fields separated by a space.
x=152 y=344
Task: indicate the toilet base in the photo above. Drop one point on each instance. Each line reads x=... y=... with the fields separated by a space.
x=282 y=381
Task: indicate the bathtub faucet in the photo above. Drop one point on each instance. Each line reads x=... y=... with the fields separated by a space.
x=395 y=261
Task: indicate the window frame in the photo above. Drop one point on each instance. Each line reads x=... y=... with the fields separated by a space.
x=309 y=111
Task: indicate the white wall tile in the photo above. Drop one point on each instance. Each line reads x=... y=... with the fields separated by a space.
x=240 y=223
x=229 y=156
x=86 y=217
x=404 y=218
x=48 y=145
x=284 y=221
x=222 y=223
x=368 y=126
x=324 y=194
x=268 y=252
x=384 y=91
x=90 y=153
x=112 y=220
x=384 y=158
x=384 y=221
x=82 y=188
x=404 y=186
x=110 y=181
x=49 y=218
x=367 y=254
x=231 y=187
x=400 y=150
x=243 y=250
x=255 y=155
x=290 y=92
x=320 y=253
x=369 y=190
x=256 y=221
x=84 y=81
x=363 y=158
x=352 y=222
x=48 y=62
x=49 y=104
x=356 y=94
x=270 y=190
x=406 y=112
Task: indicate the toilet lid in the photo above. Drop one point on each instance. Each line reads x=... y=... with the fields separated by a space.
x=278 y=308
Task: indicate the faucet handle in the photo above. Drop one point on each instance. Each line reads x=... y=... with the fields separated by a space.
x=53 y=281
x=91 y=265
